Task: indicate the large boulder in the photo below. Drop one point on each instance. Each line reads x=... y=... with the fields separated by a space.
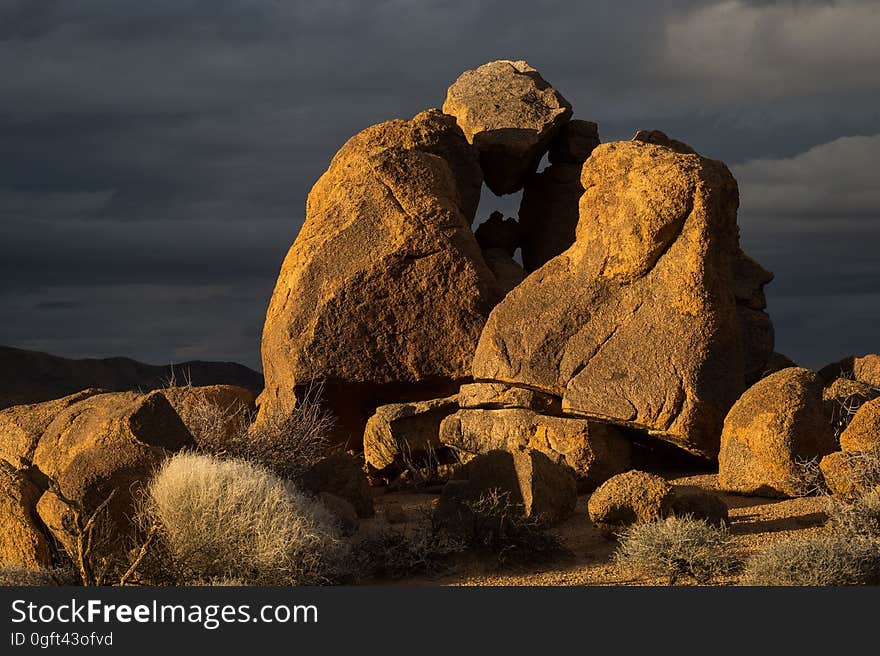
x=644 y=321
x=22 y=541
x=632 y=497
x=780 y=422
x=22 y=425
x=108 y=443
x=546 y=490
x=510 y=114
x=863 y=431
x=384 y=293
x=593 y=451
x=400 y=431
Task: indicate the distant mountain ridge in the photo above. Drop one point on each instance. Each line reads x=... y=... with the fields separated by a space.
x=33 y=376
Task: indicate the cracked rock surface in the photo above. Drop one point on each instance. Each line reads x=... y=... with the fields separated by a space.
x=650 y=318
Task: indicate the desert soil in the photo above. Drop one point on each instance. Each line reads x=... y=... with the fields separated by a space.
x=754 y=522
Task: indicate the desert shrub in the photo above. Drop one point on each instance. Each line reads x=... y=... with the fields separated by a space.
x=858 y=518
x=16 y=575
x=233 y=519
x=397 y=554
x=825 y=559
x=676 y=547
x=498 y=526
x=807 y=478
x=286 y=445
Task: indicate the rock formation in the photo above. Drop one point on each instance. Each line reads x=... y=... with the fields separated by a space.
x=652 y=318
x=384 y=293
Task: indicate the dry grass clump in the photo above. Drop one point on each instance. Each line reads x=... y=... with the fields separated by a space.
x=233 y=519
x=825 y=559
x=16 y=575
x=285 y=445
x=859 y=518
x=676 y=547
x=498 y=527
x=399 y=554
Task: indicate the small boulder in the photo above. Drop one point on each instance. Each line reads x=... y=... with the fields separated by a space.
x=843 y=368
x=867 y=369
x=863 y=431
x=849 y=474
x=405 y=431
x=575 y=142
x=700 y=504
x=778 y=422
x=546 y=490
x=511 y=115
x=629 y=498
x=341 y=475
x=507 y=271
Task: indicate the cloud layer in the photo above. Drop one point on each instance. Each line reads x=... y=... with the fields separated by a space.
x=157 y=155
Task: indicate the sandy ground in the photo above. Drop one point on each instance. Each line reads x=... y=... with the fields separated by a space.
x=755 y=522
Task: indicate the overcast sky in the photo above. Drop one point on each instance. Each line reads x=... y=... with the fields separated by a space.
x=156 y=155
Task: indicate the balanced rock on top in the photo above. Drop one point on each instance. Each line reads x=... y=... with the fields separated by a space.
x=510 y=114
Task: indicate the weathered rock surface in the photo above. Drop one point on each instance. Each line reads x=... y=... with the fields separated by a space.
x=867 y=369
x=545 y=489
x=21 y=539
x=628 y=498
x=779 y=421
x=499 y=395
x=507 y=271
x=104 y=443
x=574 y=143
x=405 y=430
x=644 y=320
x=384 y=293
x=849 y=474
x=21 y=426
x=510 y=114
x=341 y=475
x=593 y=451
x=863 y=431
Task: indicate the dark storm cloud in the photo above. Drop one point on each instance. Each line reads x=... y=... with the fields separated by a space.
x=157 y=154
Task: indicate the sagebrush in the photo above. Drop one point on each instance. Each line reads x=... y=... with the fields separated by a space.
x=285 y=444
x=825 y=559
x=232 y=519
x=677 y=547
